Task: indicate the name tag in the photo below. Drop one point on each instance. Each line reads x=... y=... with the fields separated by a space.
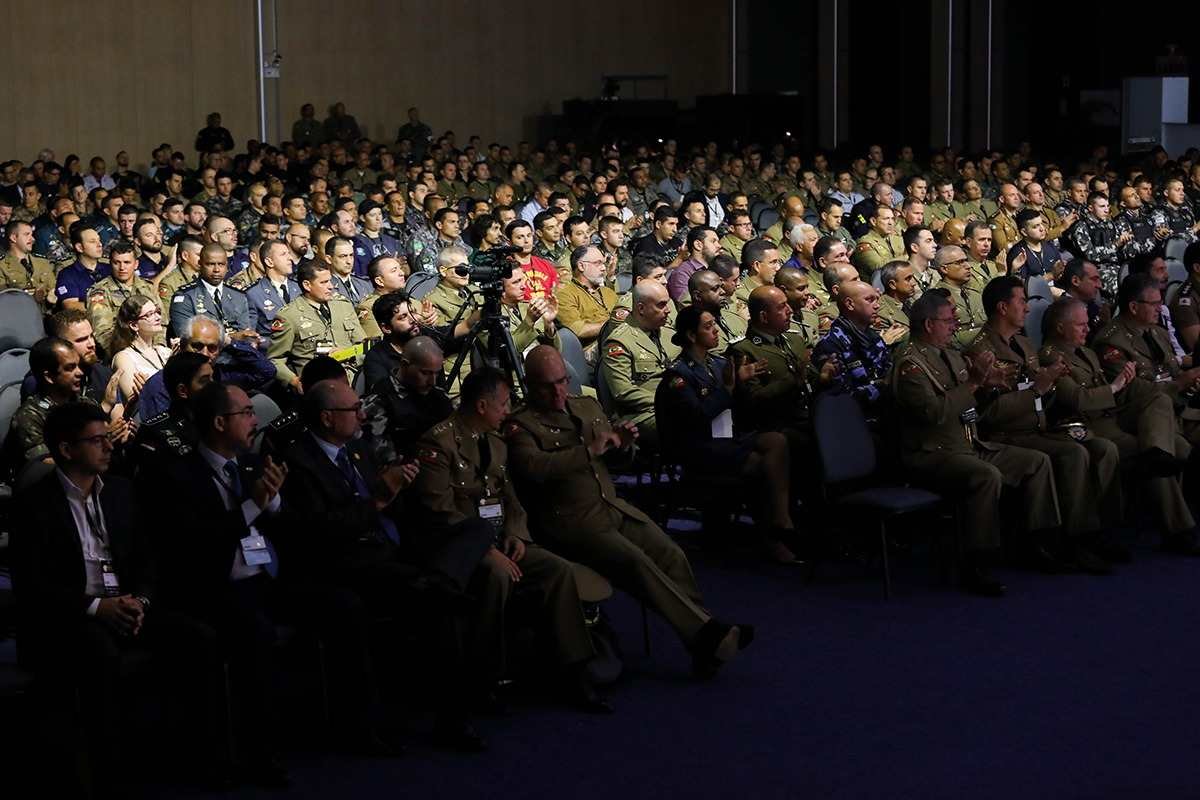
x=112 y=586
x=324 y=349
x=722 y=425
x=491 y=509
x=255 y=551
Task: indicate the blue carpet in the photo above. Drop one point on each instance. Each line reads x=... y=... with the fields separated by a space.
x=1072 y=687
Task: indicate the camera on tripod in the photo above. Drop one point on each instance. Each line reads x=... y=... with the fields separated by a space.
x=487 y=268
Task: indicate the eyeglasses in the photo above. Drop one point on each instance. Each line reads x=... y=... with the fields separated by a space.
x=196 y=347
x=957 y=262
x=943 y=319
x=240 y=412
x=154 y=312
x=96 y=441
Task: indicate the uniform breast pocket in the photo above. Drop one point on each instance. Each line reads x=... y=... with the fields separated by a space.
x=349 y=324
x=644 y=368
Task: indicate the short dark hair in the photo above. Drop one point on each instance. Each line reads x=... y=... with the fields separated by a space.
x=541 y=218
x=1025 y=216
x=66 y=422
x=888 y=273
x=926 y=308
x=308 y=271
x=724 y=265
x=121 y=248
x=661 y=214
x=440 y=214
x=334 y=241
x=696 y=234
x=643 y=265
x=481 y=383
x=571 y=222
x=385 y=307
x=754 y=250
x=1132 y=288
x=43 y=357
x=910 y=235
x=514 y=225
x=209 y=403
x=180 y=369
x=1143 y=261
x=822 y=247
x=321 y=368
x=999 y=290
x=1191 y=256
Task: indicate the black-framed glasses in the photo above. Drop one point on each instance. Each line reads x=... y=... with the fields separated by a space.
x=240 y=412
x=96 y=441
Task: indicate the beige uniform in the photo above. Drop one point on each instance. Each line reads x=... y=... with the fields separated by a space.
x=300 y=333
x=38 y=275
x=632 y=366
x=105 y=298
x=1085 y=465
x=942 y=451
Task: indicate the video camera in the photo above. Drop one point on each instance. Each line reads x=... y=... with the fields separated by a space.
x=487 y=268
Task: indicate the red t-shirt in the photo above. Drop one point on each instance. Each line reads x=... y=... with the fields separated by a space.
x=540 y=278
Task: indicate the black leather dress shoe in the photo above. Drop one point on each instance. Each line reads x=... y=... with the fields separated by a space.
x=975 y=580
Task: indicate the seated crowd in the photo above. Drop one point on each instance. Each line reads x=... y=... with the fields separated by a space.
x=409 y=491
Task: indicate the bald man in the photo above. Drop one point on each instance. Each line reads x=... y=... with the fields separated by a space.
x=791 y=213
x=556 y=448
x=865 y=357
x=1005 y=231
x=795 y=287
x=634 y=357
x=707 y=291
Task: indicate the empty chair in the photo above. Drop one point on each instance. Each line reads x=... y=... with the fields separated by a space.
x=1177 y=270
x=10 y=401
x=20 y=320
x=624 y=282
x=1037 y=286
x=766 y=219
x=848 y=455
x=267 y=411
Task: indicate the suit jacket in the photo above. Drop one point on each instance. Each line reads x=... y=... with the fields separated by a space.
x=195 y=538
x=49 y=578
x=328 y=525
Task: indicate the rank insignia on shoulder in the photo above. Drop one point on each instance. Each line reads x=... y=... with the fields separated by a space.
x=756 y=340
x=157 y=418
x=864 y=247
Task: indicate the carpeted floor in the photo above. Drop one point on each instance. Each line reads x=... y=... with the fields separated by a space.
x=1072 y=687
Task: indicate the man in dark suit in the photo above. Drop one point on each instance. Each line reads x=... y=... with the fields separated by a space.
x=342 y=532
x=211 y=510
x=84 y=582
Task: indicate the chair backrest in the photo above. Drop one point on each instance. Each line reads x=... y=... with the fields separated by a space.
x=1033 y=320
x=624 y=282
x=14 y=365
x=877 y=280
x=1174 y=249
x=420 y=284
x=10 y=401
x=1037 y=286
x=267 y=411
x=766 y=219
x=572 y=353
x=843 y=440
x=756 y=209
x=1177 y=270
x=1172 y=292
x=20 y=320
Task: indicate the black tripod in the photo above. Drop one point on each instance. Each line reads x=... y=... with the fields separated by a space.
x=500 y=351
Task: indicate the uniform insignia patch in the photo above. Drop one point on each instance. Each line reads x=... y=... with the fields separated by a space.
x=678 y=382
x=615 y=351
x=1113 y=355
x=428 y=456
x=276 y=324
x=864 y=247
x=621 y=314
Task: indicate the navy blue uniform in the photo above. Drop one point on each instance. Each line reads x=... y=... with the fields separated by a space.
x=366 y=249
x=196 y=298
x=265 y=301
x=147 y=269
x=689 y=397
x=75 y=281
x=352 y=287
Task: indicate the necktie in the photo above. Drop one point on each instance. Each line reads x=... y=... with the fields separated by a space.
x=216 y=295
x=284 y=292
x=325 y=313
x=27 y=263
x=359 y=487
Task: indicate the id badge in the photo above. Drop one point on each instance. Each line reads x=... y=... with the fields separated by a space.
x=255 y=552
x=324 y=349
x=112 y=586
x=492 y=510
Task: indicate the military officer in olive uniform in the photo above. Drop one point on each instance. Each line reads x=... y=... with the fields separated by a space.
x=777 y=398
x=1134 y=335
x=212 y=296
x=556 y=446
x=934 y=390
x=879 y=245
x=899 y=287
x=318 y=322
x=953 y=265
x=20 y=269
x=635 y=356
x=1085 y=465
x=465 y=476
x=707 y=292
x=105 y=297
x=1125 y=409
x=187 y=270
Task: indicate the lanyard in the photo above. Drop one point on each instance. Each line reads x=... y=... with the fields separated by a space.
x=94 y=517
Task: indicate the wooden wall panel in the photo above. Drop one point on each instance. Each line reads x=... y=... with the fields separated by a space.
x=80 y=80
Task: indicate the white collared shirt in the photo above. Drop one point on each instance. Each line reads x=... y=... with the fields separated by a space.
x=95 y=549
x=250 y=511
